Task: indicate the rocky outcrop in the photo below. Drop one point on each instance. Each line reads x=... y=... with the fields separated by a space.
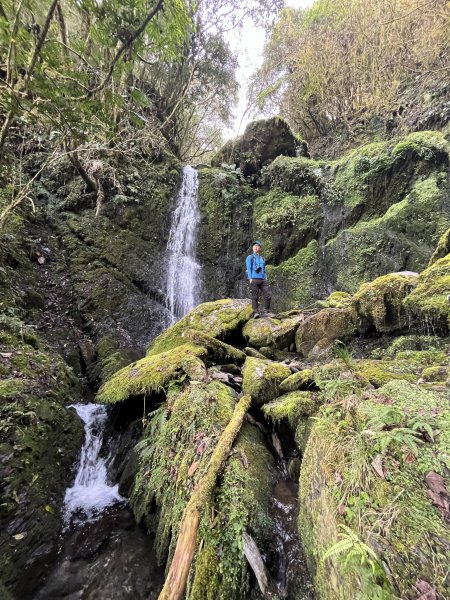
x=261 y=142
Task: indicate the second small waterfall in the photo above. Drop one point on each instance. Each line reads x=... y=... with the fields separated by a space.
x=183 y=282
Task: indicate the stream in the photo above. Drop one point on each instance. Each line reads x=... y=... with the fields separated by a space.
x=103 y=553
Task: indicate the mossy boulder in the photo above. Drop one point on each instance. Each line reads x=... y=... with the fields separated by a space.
x=219 y=319
x=261 y=142
x=429 y=303
x=380 y=303
x=291 y=406
x=152 y=374
x=296 y=381
x=218 y=350
x=357 y=471
x=436 y=373
x=327 y=325
x=173 y=456
x=279 y=333
x=41 y=439
x=262 y=379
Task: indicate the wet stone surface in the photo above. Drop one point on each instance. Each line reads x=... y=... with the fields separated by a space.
x=289 y=569
x=109 y=559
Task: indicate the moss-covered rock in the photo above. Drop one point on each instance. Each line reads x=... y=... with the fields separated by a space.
x=430 y=300
x=152 y=374
x=262 y=378
x=380 y=302
x=291 y=406
x=218 y=350
x=219 y=319
x=173 y=456
x=442 y=249
x=365 y=464
x=436 y=373
x=328 y=324
x=296 y=381
x=40 y=441
x=261 y=142
x=272 y=331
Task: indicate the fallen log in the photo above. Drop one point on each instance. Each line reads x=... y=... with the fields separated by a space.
x=177 y=576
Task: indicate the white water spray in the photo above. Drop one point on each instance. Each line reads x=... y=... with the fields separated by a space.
x=90 y=493
x=183 y=282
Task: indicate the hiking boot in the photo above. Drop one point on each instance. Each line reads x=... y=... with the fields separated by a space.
x=256 y=315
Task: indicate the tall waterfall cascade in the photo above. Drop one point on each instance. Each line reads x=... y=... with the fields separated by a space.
x=91 y=493
x=183 y=283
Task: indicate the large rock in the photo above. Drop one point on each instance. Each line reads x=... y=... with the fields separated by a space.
x=219 y=319
x=380 y=303
x=262 y=379
x=272 y=332
x=261 y=142
x=327 y=325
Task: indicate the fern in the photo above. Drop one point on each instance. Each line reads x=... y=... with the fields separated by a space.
x=352 y=547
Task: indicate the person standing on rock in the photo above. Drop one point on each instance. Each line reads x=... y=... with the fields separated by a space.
x=256 y=273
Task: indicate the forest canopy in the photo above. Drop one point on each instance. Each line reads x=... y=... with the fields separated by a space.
x=342 y=58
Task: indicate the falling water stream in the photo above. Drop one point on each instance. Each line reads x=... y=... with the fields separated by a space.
x=183 y=282
x=91 y=493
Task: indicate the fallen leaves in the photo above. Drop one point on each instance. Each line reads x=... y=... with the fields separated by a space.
x=193 y=468
x=438 y=494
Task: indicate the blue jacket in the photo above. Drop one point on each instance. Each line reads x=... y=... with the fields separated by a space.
x=253 y=261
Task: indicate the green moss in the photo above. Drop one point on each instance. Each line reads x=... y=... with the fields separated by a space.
x=10 y=388
x=415 y=342
x=285 y=222
x=241 y=503
x=218 y=319
x=442 y=249
x=344 y=442
x=175 y=441
x=380 y=302
x=296 y=381
x=292 y=281
x=291 y=406
x=151 y=374
x=324 y=327
x=436 y=373
x=261 y=379
x=217 y=349
x=429 y=301
x=278 y=333
x=336 y=300
x=423 y=357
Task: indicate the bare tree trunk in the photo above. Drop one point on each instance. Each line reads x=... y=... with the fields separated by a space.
x=184 y=552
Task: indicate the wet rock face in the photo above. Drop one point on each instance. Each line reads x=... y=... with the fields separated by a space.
x=261 y=142
x=41 y=439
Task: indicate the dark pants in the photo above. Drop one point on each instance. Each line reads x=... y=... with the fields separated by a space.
x=257 y=287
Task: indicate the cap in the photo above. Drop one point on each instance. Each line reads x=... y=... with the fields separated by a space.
x=257 y=242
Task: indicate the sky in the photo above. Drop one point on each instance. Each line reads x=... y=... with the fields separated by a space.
x=248 y=45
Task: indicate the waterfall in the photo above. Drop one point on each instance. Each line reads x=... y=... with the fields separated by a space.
x=91 y=493
x=183 y=281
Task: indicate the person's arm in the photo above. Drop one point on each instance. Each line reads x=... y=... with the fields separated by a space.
x=248 y=262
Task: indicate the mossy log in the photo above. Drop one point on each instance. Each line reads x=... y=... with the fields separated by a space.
x=185 y=549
